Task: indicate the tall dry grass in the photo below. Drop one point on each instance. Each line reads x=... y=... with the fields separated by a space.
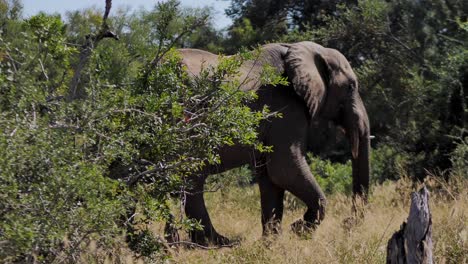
x=342 y=237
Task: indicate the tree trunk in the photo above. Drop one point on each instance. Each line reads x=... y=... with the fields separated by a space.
x=412 y=244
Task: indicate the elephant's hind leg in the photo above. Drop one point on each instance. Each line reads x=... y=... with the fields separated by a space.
x=271 y=197
x=195 y=209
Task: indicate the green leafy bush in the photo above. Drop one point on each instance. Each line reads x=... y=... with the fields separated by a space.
x=332 y=177
x=459 y=158
x=72 y=172
x=388 y=163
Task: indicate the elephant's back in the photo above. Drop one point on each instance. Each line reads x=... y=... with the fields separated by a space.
x=249 y=76
x=197 y=60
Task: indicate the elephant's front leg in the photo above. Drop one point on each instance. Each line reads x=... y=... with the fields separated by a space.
x=195 y=209
x=272 y=202
x=288 y=169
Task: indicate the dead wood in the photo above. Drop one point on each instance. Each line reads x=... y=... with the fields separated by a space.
x=412 y=244
x=75 y=90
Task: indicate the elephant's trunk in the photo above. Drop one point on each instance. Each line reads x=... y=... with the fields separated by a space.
x=358 y=131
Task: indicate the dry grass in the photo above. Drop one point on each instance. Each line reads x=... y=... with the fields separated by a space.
x=341 y=238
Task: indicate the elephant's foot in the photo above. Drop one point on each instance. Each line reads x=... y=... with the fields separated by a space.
x=201 y=238
x=272 y=228
x=312 y=218
x=220 y=240
x=301 y=227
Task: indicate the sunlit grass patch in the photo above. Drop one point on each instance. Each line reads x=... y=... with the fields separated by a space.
x=236 y=213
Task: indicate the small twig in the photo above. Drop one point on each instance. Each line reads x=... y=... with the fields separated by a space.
x=138 y=177
x=12 y=61
x=65 y=126
x=195 y=126
x=78 y=242
x=145 y=162
x=34 y=121
x=120 y=142
x=188 y=243
x=442 y=183
x=383 y=235
x=55 y=98
x=460 y=42
x=156 y=118
x=326 y=248
x=43 y=70
x=73 y=44
x=13 y=132
x=130 y=218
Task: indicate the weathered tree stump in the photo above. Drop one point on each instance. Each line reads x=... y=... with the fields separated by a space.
x=412 y=244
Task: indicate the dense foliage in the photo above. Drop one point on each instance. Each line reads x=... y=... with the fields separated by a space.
x=72 y=168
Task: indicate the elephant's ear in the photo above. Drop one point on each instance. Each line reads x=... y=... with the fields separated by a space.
x=308 y=72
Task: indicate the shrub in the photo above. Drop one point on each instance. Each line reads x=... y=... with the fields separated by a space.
x=388 y=163
x=459 y=158
x=147 y=131
x=332 y=177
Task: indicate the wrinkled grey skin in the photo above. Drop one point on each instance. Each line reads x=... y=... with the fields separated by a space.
x=323 y=89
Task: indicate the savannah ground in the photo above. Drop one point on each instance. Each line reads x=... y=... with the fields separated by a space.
x=342 y=237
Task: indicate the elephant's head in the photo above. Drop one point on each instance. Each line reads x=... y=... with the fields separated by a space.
x=324 y=78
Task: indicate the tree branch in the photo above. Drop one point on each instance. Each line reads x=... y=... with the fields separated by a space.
x=188 y=243
x=160 y=53
x=75 y=91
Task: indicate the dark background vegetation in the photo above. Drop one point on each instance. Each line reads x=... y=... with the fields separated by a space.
x=72 y=164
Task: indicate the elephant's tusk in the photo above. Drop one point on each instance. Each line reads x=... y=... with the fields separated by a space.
x=371 y=137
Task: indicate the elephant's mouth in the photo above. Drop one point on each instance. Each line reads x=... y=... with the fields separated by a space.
x=338 y=119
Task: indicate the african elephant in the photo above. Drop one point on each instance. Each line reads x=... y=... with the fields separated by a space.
x=322 y=88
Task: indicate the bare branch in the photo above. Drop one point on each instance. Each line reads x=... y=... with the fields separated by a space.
x=134 y=179
x=161 y=53
x=191 y=244
x=75 y=91
x=108 y=7
x=43 y=70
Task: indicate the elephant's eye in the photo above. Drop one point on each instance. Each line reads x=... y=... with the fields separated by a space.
x=350 y=90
